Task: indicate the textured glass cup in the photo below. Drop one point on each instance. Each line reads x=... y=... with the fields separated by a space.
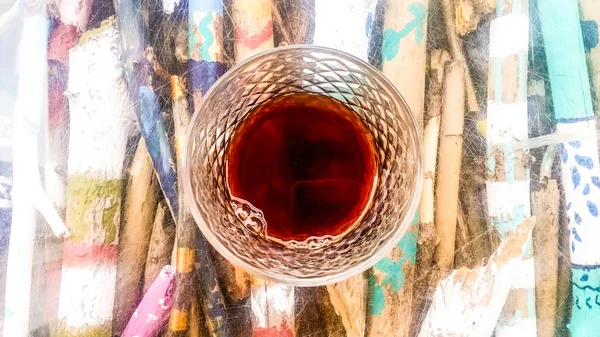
x=300 y=69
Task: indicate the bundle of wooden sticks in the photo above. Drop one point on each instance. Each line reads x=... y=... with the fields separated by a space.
x=99 y=94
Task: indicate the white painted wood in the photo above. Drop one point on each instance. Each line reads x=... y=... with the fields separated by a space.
x=342 y=25
x=469 y=302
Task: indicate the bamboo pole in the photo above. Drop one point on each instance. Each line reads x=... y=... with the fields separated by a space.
x=428 y=238
x=101 y=121
x=508 y=178
x=545 y=206
x=590 y=13
x=458 y=54
x=134 y=238
x=574 y=114
x=469 y=302
x=449 y=162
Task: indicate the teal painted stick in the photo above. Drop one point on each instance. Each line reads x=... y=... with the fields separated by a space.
x=580 y=173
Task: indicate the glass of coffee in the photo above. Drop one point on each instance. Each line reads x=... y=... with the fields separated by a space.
x=303 y=165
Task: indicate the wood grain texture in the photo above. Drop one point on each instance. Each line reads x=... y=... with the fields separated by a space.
x=136 y=229
x=161 y=245
x=348 y=299
x=545 y=207
x=449 y=163
x=456 y=50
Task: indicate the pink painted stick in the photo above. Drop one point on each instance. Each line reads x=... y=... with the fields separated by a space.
x=152 y=313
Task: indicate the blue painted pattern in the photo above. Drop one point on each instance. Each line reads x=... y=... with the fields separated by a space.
x=582 y=189
x=584 y=161
x=575 y=177
x=586 y=300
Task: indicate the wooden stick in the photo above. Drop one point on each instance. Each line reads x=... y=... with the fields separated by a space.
x=348 y=29
x=508 y=178
x=449 y=158
x=580 y=172
x=134 y=239
x=475 y=209
x=187 y=232
x=211 y=298
x=349 y=301
x=315 y=316
x=590 y=13
x=545 y=206
x=458 y=55
x=253 y=27
x=212 y=301
x=403 y=50
x=404 y=65
x=563 y=292
x=161 y=246
x=332 y=322
x=469 y=302
x=152 y=312
x=463 y=254
x=269 y=317
x=206 y=57
x=101 y=120
x=75 y=13
x=206 y=46
x=148 y=111
x=428 y=238
x=470 y=12
x=147 y=107
x=294 y=20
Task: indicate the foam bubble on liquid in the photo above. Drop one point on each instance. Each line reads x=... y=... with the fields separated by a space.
x=253 y=219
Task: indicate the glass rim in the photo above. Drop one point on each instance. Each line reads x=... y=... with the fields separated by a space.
x=352 y=269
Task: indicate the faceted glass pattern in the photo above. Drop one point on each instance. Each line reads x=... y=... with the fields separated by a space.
x=328 y=72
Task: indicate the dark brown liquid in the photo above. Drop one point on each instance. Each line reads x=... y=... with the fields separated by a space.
x=307 y=162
